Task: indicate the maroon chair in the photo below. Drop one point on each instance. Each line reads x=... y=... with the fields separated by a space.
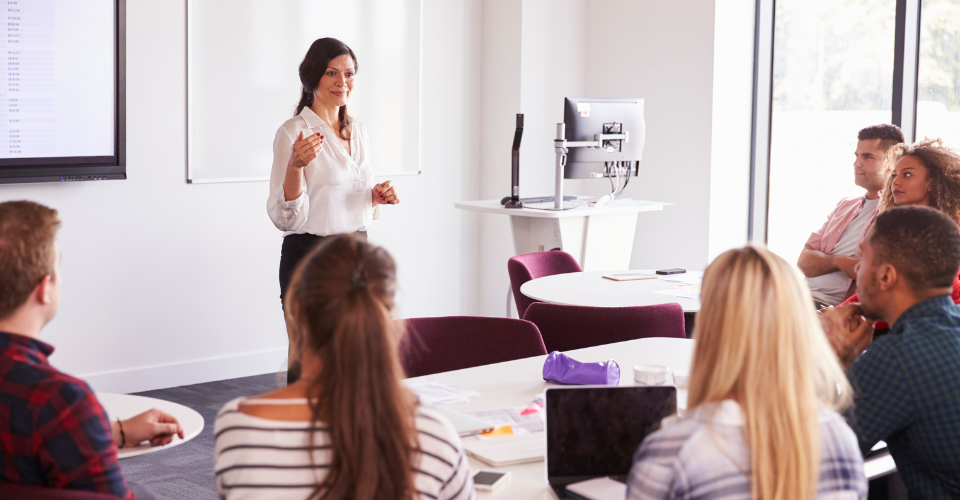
x=23 y=492
x=530 y=266
x=574 y=327
x=434 y=345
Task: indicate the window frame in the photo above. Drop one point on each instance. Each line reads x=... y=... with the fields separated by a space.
x=906 y=57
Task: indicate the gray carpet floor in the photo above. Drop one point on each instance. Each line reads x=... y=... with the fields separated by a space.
x=185 y=472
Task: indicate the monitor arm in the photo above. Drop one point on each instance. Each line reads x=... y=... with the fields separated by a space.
x=560 y=145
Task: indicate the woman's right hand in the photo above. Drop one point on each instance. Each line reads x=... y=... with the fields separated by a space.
x=305 y=149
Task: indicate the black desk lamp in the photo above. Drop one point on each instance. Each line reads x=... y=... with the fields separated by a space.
x=513 y=201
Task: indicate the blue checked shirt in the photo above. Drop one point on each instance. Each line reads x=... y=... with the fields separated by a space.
x=907 y=392
x=704 y=455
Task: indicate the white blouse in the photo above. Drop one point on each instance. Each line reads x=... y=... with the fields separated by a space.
x=337 y=197
x=261 y=459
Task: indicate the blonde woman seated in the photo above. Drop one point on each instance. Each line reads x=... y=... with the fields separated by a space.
x=348 y=429
x=764 y=382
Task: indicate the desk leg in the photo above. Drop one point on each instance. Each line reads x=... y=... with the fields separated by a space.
x=531 y=234
x=608 y=241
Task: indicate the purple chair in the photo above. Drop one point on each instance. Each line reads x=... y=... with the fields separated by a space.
x=434 y=345
x=573 y=327
x=530 y=266
x=23 y=492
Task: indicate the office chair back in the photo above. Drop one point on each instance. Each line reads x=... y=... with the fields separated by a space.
x=565 y=328
x=529 y=266
x=434 y=345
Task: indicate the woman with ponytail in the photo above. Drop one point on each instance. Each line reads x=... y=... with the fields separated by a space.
x=319 y=190
x=349 y=429
x=764 y=388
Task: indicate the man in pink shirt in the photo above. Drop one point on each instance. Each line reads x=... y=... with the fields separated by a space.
x=830 y=256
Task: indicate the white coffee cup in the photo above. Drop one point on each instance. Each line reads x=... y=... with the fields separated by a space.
x=650 y=374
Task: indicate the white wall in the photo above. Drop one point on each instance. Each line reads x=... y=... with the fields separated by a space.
x=732 y=115
x=167 y=283
x=499 y=104
x=697 y=114
x=663 y=52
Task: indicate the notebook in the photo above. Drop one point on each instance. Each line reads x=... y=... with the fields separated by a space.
x=505 y=451
x=629 y=276
x=593 y=433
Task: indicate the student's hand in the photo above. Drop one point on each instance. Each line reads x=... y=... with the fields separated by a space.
x=385 y=194
x=305 y=149
x=847 y=265
x=152 y=425
x=847 y=330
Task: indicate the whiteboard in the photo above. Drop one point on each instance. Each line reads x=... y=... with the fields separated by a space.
x=242 y=81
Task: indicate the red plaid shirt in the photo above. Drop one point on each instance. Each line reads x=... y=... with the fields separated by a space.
x=53 y=431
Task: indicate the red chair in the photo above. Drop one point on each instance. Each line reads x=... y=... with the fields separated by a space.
x=434 y=345
x=565 y=328
x=23 y=492
x=529 y=266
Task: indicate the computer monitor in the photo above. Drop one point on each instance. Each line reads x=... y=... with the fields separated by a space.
x=585 y=117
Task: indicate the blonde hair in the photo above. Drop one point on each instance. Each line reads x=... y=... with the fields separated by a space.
x=759 y=342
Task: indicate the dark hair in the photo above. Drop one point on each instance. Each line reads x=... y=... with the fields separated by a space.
x=922 y=243
x=312 y=68
x=888 y=134
x=341 y=298
x=943 y=168
x=28 y=231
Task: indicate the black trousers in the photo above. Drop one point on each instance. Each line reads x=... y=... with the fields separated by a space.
x=295 y=248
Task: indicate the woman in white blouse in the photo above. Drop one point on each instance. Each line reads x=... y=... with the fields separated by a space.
x=350 y=428
x=319 y=190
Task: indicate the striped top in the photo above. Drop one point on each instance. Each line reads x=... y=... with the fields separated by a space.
x=258 y=458
x=704 y=455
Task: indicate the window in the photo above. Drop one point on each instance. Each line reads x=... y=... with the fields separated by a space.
x=938 y=86
x=832 y=75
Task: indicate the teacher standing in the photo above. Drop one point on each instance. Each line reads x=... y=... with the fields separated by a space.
x=320 y=189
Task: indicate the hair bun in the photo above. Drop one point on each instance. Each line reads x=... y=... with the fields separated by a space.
x=358 y=280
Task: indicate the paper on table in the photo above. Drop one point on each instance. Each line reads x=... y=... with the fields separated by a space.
x=683 y=294
x=521 y=424
x=430 y=391
x=683 y=279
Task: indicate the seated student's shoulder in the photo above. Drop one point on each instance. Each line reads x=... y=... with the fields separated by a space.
x=675 y=437
x=837 y=434
x=48 y=386
x=436 y=433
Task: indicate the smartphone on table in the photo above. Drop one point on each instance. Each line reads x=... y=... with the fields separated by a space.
x=489 y=480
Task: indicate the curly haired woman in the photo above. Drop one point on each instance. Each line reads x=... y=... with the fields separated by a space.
x=925 y=173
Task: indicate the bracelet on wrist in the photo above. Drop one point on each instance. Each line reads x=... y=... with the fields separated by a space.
x=123 y=436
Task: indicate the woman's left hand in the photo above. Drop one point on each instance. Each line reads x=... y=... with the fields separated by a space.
x=385 y=194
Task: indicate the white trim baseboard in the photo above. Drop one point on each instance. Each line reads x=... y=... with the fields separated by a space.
x=197 y=371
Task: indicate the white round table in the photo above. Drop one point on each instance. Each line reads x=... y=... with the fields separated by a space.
x=125 y=406
x=592 y=289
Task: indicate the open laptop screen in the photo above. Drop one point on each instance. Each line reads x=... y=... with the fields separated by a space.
x=594 y=431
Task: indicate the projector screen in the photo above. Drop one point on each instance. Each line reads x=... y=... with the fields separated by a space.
x=61 y=106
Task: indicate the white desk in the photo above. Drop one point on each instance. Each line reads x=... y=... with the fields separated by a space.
x=125 y=406
x=597 y=237
x=592 y=289
x=515 y=383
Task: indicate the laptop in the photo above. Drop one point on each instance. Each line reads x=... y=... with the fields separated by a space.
x=593 y=433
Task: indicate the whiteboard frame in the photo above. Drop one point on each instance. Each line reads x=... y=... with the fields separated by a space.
x=189 y=114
